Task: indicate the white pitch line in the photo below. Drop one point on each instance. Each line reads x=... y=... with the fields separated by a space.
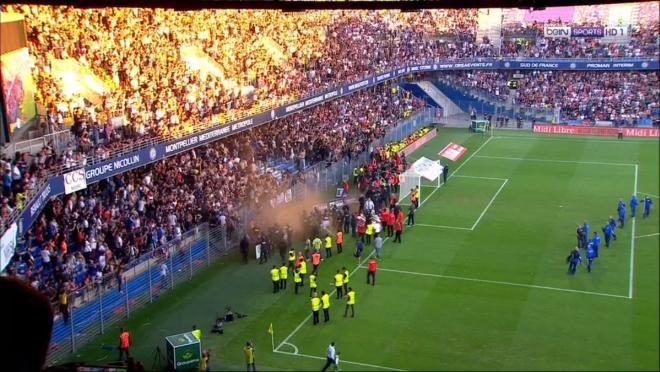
x=295 y=348
x=443 y=226
x=489 y=204
x=651 y=195
x=632 y=243
x=647 y=235
x=457 y=169
x=481 y=178
x=342 y=361
x=575 y=140
x=504 y=283
x=555 y=161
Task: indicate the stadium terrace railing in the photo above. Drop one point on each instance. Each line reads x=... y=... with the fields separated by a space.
x=263 y=113
x=95 y=308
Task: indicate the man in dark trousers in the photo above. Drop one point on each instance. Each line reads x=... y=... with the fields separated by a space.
x=245 y=245
x=124 y=344
x=445 y=172
x=573 y=260
x=371 y=272
x=330 y=357
x=411 y=215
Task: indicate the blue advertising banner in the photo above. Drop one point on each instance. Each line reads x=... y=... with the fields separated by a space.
x=140 y=158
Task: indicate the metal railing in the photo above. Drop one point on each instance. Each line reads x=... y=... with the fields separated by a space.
x=94 y=308
x=58 y=139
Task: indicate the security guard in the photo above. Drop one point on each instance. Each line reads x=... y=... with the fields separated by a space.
x=292 y=259
x=350 y=303
x=316 y=306
x=284 y=275
x=345 y=279
x=303 y=272
x=275 y=275
x=312 y=284
x=297 y=280
x=339 y=283
x=328 y=246
x=325 y=299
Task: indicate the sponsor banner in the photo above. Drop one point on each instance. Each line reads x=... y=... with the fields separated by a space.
x=74 y=181
x=419 y=143
x=8 y=245
x=453 y=151
x=561 y=65
x=595 y=131
x=556 y=31
x=587 y=31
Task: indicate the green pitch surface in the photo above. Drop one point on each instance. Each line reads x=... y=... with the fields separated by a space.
x=479 y=283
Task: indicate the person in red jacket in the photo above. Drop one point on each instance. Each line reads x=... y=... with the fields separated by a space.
x=371 y=272
x=361 y=229
x=390 y=223
x=316 y=261
x=124 y=344
x=398 y=227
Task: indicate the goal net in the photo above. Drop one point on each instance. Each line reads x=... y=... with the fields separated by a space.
x=423 y=177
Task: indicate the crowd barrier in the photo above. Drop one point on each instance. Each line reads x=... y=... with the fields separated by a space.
x=95 y=308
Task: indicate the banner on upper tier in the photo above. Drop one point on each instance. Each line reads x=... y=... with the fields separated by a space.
x=595 y=131
x=139 y=158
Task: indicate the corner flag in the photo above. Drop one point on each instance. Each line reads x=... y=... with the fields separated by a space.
x=270 y=329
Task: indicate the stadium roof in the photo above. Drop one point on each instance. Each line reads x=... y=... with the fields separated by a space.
x=294 y=5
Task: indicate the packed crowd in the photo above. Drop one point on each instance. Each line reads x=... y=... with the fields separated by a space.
x=620 y=97
x=165 y=73
x=84 y=236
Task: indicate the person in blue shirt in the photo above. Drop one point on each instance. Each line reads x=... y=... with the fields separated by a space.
x=612 y=223
x=591 y=255
x=585 y=235
x=621 y=209
x=607 y=232
x=573 y=260
x=596 y=242
x=648 y=203
x=633 y=205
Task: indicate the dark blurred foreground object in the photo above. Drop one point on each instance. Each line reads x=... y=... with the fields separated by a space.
x=27 y=320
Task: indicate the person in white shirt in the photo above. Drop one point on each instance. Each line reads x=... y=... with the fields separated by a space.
x=163 y=275
x=45 y=258
x=331 y=356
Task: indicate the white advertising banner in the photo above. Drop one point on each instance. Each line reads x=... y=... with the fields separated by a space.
x=8 y=245
x=427 y=168
x=75 y=181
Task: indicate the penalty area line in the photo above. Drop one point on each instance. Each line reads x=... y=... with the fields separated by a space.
x=503 y=283
x=443 y=226
x=342 y=361
x=647 y=235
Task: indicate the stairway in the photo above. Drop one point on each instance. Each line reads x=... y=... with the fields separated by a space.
x=449 y=108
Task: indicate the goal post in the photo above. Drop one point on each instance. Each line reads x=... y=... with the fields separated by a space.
x=422 y=177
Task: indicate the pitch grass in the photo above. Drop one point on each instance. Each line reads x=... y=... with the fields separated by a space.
x=497 y=297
